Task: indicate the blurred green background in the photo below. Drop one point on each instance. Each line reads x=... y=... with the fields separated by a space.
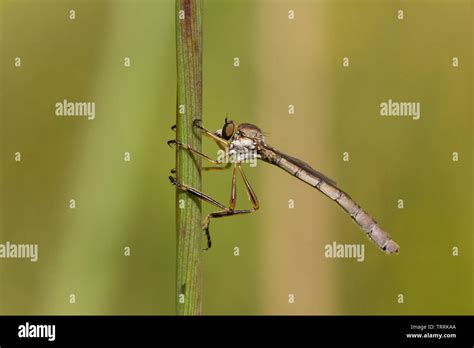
x=132 y=204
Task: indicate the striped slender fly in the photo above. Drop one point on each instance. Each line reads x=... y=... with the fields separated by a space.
x=244 y=142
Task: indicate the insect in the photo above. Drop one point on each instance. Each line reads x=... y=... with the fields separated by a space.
x=245 y=141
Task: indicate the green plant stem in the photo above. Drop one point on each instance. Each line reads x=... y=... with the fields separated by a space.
x=188 y=167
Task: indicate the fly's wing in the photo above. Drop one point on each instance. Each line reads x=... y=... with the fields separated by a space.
x=305 y=166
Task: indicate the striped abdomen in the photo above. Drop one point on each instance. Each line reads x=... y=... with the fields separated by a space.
x=304 y=172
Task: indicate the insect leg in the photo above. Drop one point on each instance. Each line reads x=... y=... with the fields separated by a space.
x=197 y=124
x=250 y=192
x=226 y=211
x=233 y=191
x=196 y=193
x=233 y=200
x=219 y=214
x=204 y=197
x=193 y=150
x=226 y=166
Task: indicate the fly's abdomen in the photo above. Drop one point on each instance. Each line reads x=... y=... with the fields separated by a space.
x=364 y=220
x=305 y=173
x=368 y=224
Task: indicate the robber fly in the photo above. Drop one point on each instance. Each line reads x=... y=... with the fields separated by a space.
x=244 y=140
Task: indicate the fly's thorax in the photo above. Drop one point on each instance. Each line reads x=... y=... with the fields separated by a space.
x=243 y=150
x=241 y=143
x=251 y=131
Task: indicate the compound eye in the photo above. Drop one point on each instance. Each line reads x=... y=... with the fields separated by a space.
x=228 y=130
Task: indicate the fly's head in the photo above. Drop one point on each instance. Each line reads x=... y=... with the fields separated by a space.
x=227 y=131
x=231 y=130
